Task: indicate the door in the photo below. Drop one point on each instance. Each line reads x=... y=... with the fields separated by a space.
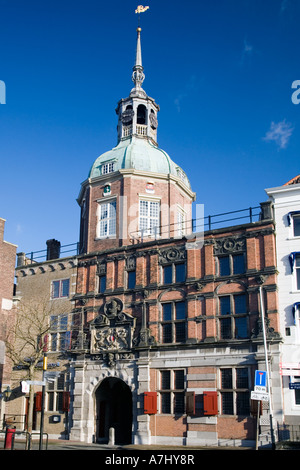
x=114 y=409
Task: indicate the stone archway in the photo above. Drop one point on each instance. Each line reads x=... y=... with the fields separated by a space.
x=114 y=409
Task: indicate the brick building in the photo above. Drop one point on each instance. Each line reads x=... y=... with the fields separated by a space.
x=165 y=332
x=7 y=269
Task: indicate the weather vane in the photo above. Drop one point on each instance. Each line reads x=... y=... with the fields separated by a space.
x=140 y=9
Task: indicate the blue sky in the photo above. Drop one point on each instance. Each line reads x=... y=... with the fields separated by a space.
x=221 y=71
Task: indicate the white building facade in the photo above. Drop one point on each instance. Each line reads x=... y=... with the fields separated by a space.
x=286 y=201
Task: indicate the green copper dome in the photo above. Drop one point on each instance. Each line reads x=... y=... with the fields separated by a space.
x=138 y=154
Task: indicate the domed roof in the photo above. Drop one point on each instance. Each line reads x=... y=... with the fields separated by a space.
x=138 y=154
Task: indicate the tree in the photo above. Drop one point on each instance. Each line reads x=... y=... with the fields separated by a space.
x=26 y=341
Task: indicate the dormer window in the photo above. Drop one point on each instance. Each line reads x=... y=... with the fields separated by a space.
x=107 y=168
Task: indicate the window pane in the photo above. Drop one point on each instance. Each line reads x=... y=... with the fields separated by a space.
x=55 y=289
x=165 y=380
x=225 y=328
x=166 y=402
x=227 y=403
x=180 y=272
x=63 y=322
x=102 y=284
x=240 y=304
x=167 y=333
x=180 y=310
x=224 y=266
x=298 y=278
x=59 y=401
x=297 y=226
x=179 y=379
x=242 y=378
x=131 y=279
x=241 y=330
x=179 y=332
x=167 y=312
x=225 y=305
x=179 y=403
x=53 y=341
x=226 y=378
x=65 y=287
x=238 y=264
x=50 y=401
x=167 y=274
x=243 y=403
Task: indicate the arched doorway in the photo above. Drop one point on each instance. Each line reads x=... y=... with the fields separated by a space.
x=114 y=409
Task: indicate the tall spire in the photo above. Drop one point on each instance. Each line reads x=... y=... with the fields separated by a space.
x=138 y=70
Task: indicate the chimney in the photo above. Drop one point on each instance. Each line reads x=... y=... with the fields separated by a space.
x=53 y=249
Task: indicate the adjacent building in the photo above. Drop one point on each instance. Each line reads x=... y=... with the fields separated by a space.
x=286 y=203
x=7 y=269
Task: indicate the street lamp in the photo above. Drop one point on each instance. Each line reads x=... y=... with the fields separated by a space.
x=6 y=394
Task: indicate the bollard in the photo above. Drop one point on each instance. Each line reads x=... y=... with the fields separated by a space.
x=111 y=441
x=9 y=437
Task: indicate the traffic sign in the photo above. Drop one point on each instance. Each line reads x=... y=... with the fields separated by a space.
x=259 y=396
x=260 y=378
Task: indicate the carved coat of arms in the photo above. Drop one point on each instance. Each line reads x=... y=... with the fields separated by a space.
x=112 y=330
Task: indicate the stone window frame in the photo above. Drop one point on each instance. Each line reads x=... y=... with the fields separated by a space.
x=230 y=257
x=149 y=231
x=60 y=332
x=233 y=316
x=234 y=391
x=172 y=322
x=111 y=218
x=60 y=289
x=167 y=395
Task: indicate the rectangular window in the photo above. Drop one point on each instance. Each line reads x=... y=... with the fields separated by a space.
x=180 y=222
x=296 y=225
x=235 y=391
x=172 y=391
x=149 y=218
x=233 y=317
x=297 y=271
x=175 y=272
x=131 y=279
x=173 y=322
x=231 y=264
x=60 y=336
x=107 y=168
x=60 y=289
x=55 y=393
x=107 y=219
x=102 y=284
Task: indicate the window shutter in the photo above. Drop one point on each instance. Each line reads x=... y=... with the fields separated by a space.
x=210 y=403
x=150 y=403
x=38 y=401
x=45 y=343
x=66 y=401
x=190 y=403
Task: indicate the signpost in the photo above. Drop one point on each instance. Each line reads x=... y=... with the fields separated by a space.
x=260 y=394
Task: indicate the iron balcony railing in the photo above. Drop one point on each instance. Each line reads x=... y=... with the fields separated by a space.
x=210 y=222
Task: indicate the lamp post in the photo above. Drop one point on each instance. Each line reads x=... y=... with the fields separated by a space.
x=267 y=364
x=43 y=402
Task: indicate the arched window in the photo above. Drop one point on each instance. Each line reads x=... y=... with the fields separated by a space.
x=141 y=114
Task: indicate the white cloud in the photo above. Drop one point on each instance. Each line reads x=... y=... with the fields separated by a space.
x=279 y=133
x=248 y=51
x=190 y=86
